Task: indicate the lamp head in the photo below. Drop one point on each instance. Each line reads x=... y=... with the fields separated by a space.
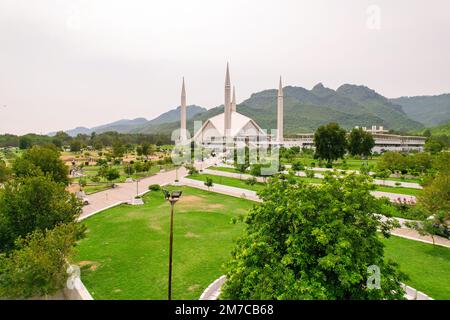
x=176 y=194
x=166 y=194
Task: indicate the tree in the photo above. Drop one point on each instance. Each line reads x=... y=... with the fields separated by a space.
x=360 y=143
x=38 y=264
x=319 y=246
x=118 y=149
x=435 y=196
x=297 y=165
x=433 y=145
x=34 y=203
x=393 y=161
x=209 y=182
x=331 y=142
x=41 y=160
x=112 y=174
x=75 y=145
x=4 y=171
x=25 y=143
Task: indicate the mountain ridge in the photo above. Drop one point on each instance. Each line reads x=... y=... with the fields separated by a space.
x=350 y=105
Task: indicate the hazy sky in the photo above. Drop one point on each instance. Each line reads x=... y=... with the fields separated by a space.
x=89 y=62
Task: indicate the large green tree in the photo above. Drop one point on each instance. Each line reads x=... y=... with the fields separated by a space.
x=313 y=242
x=360 y=142
x=331 y=142
x=34 y=203
x=41 y=160
x=37 y=266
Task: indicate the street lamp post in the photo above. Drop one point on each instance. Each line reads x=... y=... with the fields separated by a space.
x=172 y=198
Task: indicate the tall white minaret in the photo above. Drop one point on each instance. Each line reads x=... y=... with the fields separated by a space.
x=183 y=113
x=233 y=102
x=280 y=113
x=227 y=105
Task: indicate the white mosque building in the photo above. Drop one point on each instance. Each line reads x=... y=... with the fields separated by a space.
x=231 y=126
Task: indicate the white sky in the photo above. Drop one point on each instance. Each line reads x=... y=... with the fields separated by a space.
x=89 y=62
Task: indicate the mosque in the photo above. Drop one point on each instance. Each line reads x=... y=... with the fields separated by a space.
x=231 y=126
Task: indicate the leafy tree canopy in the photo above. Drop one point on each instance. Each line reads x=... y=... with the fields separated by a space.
x=37 y=266
x=41 y=160
x=330 y=141
x=360 y=143
x=312 y=242
x=34 y=203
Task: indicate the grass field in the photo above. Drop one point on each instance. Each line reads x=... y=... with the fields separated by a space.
x=427 y=266
x=224 y=169
x=125 y=254
x=232 y=182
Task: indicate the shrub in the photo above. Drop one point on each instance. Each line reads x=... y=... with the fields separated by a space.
x=251 y=181
x=154 y=187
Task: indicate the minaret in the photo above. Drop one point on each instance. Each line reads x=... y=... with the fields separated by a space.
x=280 y=113
x=233 y=102
x=227 y=105
x=183 y=113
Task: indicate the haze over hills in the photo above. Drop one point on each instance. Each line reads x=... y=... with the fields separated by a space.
x=126 y=126
x=429 y=110
x=305 y=110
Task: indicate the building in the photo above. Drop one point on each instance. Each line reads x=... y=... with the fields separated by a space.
x=383 y=141
x=231 y=126
x=394 y=142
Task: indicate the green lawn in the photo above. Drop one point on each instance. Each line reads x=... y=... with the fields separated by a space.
x=426 y=265
x=224 y=169
x=414 y=180
x=351 y=164
x=90 y=189
x=232 y=182
x=125 y=254
x=399 y=190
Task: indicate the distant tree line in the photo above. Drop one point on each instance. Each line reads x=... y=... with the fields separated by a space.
x=97 y=141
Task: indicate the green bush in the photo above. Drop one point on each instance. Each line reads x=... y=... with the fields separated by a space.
x=154 y=187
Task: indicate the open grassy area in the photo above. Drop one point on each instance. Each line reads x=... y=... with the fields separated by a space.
x=351 y=164
x=232 y=182
x=426 y=265
x=90 y=189
x=399 y=190
x=224 y=169
x=125 y=254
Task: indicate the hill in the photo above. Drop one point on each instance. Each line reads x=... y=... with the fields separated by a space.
x=128 y=126
x=305 y=110
x=429 y=110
